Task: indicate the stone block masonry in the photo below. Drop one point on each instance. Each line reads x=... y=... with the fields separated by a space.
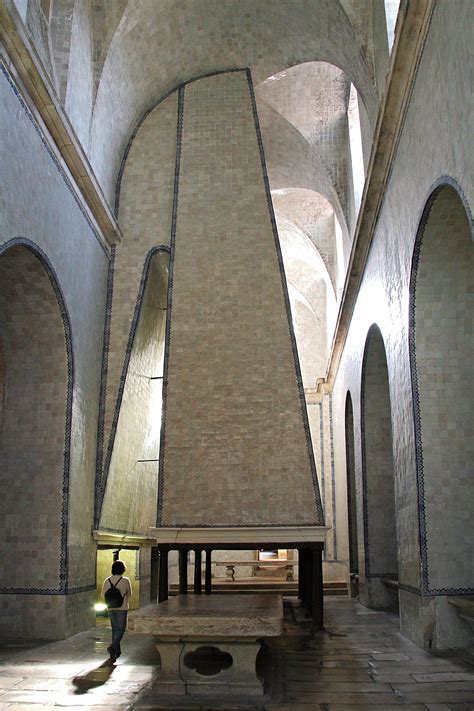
x=235 y=451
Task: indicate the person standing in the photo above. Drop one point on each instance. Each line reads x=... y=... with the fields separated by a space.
x=117 y=587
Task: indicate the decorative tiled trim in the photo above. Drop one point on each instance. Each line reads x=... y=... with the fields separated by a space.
x=434 y=191
x=321 y=454
x=333 y=478
x=128 y=352
x=99 y=483
x=174 y=219
x=68 y=183
x=47 y=591
x=32 y=591
x=47 y=266
x=142 y=118
x=299 y=380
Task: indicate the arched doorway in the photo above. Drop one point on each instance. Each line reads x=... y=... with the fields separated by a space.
x=35 y=439
x=441 y=347
x=351 y=497
x=380 y=531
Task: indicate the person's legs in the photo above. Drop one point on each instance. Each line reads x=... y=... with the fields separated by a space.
x=118 y=621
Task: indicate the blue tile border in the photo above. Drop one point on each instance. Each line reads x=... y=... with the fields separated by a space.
x=434 y=191
x=68 y=183
x=174 y=219
x=48 y=591
x=47 y=266
x=321 y=457
x=101 y=482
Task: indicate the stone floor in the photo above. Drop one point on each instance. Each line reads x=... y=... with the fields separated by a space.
x=360 y=662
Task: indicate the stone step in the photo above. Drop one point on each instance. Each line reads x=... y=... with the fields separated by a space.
x=263 y=586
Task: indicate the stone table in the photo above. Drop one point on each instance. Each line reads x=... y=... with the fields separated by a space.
x=208 y=644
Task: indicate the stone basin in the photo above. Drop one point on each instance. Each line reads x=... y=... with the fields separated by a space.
x=208 y=644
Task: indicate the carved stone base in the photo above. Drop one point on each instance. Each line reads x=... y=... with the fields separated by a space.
x=203 y=668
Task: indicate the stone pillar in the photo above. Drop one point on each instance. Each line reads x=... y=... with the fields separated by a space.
x=163 y=581
x=197 y=572
x=208 y=574
x=183 y=572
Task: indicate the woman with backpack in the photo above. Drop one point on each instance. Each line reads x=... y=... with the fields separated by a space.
x=116 y=592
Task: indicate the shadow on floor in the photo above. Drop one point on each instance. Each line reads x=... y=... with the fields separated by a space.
x=94 y=678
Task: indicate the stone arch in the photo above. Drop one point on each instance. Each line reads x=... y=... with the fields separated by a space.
x=441 y=341
x=35 y=454
x=380 y=529
x=351 y=492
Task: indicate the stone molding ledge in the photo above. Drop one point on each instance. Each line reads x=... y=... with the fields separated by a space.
x=27 y=68
x=297 y=535
x=413 y=24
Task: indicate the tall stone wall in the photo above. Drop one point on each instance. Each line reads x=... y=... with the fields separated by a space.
x=40 y=208
x=435 y=128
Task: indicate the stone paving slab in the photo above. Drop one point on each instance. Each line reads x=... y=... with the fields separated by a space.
x=446 y=697
x=336 y=686
x=365 y=707
x=42 y=707
x=336 y=697
x=352 y=666
x=444 y=676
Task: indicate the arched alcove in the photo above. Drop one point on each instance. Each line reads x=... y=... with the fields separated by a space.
x=380 y=532
x=35 y=436
x=441 y=347
x=351 y=496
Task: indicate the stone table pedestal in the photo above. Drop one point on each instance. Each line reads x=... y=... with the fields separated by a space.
x=208 y=645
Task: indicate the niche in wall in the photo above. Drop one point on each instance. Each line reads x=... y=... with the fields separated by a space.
x=380 y=531
x=36 y=369
x=442 y=341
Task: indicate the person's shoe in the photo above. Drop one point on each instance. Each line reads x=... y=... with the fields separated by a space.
x=113 y=656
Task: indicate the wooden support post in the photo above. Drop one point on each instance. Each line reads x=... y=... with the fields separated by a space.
x=197 y=572
x=308 y=592
x=300 y=573
x=183 y=572
x=318 y=600
x=208 y=574
x=163 y=580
